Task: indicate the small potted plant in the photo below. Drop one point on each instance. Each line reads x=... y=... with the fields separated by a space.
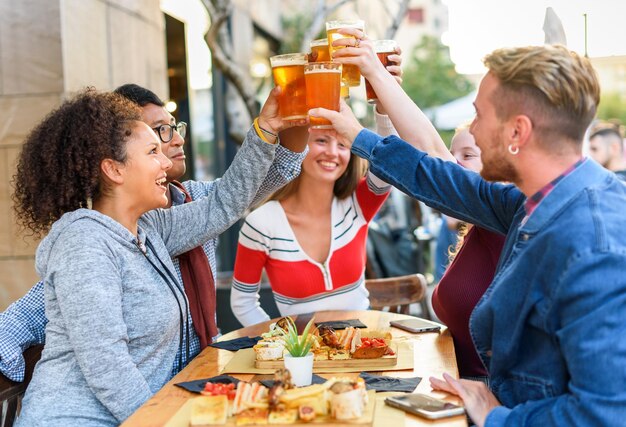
x=299 y=359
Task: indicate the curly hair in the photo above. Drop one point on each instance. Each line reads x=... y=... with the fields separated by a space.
x=58 y=170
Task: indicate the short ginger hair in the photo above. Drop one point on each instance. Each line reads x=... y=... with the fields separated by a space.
x=556 y=88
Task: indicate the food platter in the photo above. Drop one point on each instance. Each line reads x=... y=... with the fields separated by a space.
x=349 y=348
x=335 y=402
x=352 y=364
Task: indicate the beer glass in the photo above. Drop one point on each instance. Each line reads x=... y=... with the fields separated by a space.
x=351 y=74
x=288 y=71
x=383 y=49
x=345 y=90
x=323 y=82
x=319 y=51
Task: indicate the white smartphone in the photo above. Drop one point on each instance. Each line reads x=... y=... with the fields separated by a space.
x=416 y=325
x=425 y=406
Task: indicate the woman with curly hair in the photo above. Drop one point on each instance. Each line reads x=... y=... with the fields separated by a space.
x=92 y=176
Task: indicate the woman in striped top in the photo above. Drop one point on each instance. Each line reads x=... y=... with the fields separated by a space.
x=310 y=237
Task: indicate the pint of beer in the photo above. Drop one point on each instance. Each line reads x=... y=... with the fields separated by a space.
x=323 y=82
x=288 y=71
x=351 y=74
x=383 y=49
x=319 y=51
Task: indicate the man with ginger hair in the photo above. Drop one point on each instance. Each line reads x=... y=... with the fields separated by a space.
x=551 y=327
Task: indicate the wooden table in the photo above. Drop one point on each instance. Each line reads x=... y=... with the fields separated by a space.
x=433 y=355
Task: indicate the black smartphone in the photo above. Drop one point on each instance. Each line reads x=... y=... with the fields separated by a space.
x=416 y=325
x=425 y=406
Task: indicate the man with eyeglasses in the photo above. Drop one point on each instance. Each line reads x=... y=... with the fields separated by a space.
x=23 y=323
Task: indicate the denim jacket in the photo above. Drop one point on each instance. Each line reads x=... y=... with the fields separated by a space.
x=551 y=328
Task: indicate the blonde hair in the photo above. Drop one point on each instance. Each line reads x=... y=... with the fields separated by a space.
x=462 y=127
x=556 y=88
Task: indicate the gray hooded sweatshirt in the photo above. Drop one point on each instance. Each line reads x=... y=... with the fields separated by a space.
x=114 y=321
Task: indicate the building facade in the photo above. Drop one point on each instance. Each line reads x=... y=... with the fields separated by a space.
x=49 y=49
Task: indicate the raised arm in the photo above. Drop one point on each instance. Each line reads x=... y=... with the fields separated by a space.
x=286 y=166
x=445 y=186
x=411 y=123
x=187 y=226
x=22 y=325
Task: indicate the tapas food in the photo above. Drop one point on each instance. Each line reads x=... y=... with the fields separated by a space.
x=328 y=344
x=338 y=399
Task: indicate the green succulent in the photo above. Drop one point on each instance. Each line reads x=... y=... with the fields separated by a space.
x=297 y=346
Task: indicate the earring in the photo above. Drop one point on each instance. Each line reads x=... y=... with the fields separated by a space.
x=513 y=150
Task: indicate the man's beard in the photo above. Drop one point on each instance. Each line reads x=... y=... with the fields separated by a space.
x=498 y=167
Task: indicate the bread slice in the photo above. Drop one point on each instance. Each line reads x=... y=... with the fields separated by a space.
x=338 y=354
x=286 y=416
x=209 y=410
x=252 y=417
x=321 y=353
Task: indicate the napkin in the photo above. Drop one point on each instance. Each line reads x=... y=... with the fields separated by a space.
x=381 y=383
x=198 y=385
x=316 y=380
x=342 y=324
x=237 y=343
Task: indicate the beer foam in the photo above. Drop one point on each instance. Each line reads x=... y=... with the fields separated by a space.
x=322 y=70
x=288 y=62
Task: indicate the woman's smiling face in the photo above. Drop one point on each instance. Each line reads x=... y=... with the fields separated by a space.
x=328 y=156
x=145 y=169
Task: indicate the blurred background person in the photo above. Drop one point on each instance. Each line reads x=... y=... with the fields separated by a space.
x=606 y=146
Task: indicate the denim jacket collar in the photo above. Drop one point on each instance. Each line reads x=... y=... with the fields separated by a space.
x=565 y=191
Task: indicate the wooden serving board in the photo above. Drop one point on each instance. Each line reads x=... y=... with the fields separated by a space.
x=182 y=417
x=384 y=361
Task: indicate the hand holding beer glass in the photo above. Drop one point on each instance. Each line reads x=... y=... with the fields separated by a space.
x=323 y=87
x=384 y=49
x=350 y=74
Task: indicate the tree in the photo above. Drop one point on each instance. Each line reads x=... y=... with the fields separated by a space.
x=430 y=78
x=301 y=29
x=612 y=106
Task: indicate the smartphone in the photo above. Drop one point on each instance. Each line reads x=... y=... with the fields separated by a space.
x=425 y=406
x=416 y=325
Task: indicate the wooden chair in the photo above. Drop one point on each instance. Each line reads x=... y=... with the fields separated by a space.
x=398 y=293
x=11 y=393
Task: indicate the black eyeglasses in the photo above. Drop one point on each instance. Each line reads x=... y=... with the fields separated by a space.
x=166 y=132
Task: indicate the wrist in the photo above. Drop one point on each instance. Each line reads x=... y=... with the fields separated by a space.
x=354 y=133
x=266 y=125
x=265 y=132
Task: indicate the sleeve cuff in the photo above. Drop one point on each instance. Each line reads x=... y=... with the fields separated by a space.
x=497 y=417
x=283 y=152
x=384 y=126
x=377 y=185
x=364 y=143
x=254 y=138
x=12 y=363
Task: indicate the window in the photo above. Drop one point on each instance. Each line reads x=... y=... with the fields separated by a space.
x=416 y=15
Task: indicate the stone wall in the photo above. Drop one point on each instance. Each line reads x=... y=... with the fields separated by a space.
x=48 y=50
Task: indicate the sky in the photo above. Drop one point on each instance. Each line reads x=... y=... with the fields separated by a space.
x=476 y=27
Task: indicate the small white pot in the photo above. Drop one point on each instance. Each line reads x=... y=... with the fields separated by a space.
x=301 y=369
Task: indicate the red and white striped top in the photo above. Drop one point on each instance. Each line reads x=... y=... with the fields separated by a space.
x=299 y=283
